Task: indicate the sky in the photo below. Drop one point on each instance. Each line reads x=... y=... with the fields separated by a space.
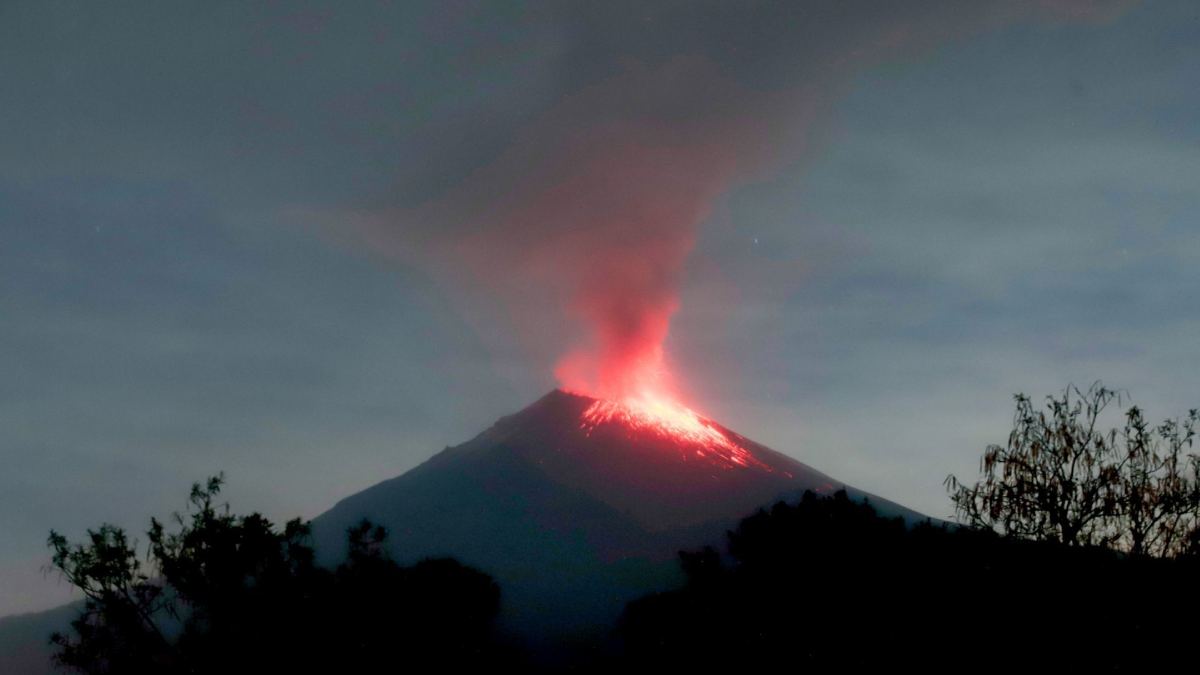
x=311 y=245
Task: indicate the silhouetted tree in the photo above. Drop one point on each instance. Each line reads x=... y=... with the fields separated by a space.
x=826 y=583
x=1157 y=496
x=1063 y=477
x=229 y=593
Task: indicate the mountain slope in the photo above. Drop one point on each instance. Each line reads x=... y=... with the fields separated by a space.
x=25 y=639
x=575 y=507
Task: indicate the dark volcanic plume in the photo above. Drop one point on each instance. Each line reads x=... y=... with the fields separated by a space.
x=579 y=230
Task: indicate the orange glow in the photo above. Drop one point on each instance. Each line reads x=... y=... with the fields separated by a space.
x=698 y=436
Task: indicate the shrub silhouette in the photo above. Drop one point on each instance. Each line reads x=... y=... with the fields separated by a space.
x=827 y=583
x=1062 y=476
x=226 y=593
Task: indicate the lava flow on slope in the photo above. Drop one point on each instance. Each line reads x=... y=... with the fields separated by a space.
x=653 y=459
x=693 y=435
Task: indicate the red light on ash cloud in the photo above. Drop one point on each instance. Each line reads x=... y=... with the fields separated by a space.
x=590 y=212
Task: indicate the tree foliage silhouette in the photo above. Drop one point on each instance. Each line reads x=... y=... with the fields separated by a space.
x=826 y=583
x=1063 y=477
x=222 y=593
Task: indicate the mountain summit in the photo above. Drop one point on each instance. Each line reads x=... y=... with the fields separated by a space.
x=661 y=464
x=577 y=505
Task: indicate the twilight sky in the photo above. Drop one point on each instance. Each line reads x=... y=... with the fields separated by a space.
x=312 y=245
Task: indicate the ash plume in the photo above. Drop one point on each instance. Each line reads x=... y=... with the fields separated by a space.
x=585 y=221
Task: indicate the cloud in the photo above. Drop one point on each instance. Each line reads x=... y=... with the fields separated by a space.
x=594 y=206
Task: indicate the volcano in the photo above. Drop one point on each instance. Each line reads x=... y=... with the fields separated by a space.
x=577 y=505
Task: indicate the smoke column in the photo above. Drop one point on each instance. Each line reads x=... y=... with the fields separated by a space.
x=591 y=212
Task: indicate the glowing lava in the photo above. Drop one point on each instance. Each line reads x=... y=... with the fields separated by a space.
x=663 y=417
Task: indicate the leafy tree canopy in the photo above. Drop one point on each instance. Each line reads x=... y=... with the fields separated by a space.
x=218 y=592
x=1064 y=475
x=828 y=584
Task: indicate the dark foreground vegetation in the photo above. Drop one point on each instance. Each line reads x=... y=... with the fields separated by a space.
x=225 y=593
x=827 y=583
x=1079 y=550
